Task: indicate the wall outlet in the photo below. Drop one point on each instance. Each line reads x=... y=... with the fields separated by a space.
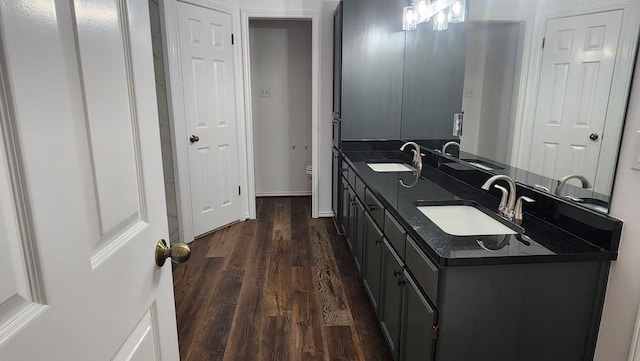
x=265 y=92
x=636 y=155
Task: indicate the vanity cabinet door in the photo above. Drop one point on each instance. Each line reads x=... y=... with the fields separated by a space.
x=391 y=301
x=358 y=237
x=336 y=188
x=346 y=206
x=351 y=232
x=372 y=260
x=418 y=321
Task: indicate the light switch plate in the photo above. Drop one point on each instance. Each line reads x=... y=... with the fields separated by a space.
x=636 y=155
x=265 y=92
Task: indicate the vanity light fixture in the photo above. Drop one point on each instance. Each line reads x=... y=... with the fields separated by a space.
x=422 y=9
x=442 y=12
x=440 y=21
x=409 y=18
x=457 y=12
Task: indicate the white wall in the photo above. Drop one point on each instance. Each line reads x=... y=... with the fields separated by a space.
x=281 y=64
x=623 y=292
x=165 y=126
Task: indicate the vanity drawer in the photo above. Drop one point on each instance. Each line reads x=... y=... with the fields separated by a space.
x=423 y=270
x=360 y=189
x=374 y=207
x=395 y=233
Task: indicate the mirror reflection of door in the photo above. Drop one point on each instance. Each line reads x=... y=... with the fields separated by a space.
x=573 y=95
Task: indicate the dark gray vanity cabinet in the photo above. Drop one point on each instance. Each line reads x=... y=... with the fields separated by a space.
x=358 y=233
x=372 y=260
x=344 y=209
x=418 y=324
x=391 y=298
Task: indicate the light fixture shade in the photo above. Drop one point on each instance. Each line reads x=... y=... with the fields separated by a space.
x=422 y=10
x=409 y=18
x=440 y=21
x=457 y=12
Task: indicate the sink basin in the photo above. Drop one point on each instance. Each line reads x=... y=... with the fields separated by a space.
x=464 y=220
x=390 y=167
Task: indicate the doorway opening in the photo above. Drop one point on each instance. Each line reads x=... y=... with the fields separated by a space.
x=281 y=91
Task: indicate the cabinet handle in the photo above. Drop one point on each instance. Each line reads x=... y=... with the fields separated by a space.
x=396 y=273
x=401 y=282
x=371 y=207
x=378 y=241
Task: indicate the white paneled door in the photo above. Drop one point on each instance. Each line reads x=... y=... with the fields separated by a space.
x=206 y=56
x=573 y=95
x=81 y=185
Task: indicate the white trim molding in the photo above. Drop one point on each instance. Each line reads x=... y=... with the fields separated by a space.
x=283 y=194
x=247 y=127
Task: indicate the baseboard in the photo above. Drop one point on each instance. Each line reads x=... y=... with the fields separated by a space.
x=283 y=194
x=325 y=214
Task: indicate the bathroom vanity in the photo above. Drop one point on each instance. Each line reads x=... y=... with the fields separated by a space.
x=454 y=273
x=535 y=294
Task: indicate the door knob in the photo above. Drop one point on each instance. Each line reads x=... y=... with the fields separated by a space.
x=179 y=252
x=594 y=136
x=194 y=138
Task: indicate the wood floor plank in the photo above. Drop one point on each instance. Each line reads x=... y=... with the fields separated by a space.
x=300 y=233
x=200 y=300
x=275 y=344
x=211 y=339
x=335 y=308
x=264 y=289
x=342 y=345
x=309 y=341
x=223 y=242
x=372 y=340
x=244 y=339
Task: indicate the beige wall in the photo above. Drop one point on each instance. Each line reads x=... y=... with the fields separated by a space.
x=163 y=114
x=623 y=292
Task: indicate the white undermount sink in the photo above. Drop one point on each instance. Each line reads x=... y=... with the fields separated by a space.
x=390 y=167
x=464 y=220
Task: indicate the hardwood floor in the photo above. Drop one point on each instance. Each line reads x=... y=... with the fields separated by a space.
x=282 y=287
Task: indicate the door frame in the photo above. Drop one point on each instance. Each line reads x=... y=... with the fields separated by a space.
x=175 y=101
x=246 y=15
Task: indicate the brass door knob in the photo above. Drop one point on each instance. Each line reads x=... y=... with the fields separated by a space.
x=179 y=252
x=594 y=136
x=194 y=138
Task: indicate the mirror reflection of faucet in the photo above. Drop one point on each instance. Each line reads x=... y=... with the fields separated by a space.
x=447 y=145
x=561 y=183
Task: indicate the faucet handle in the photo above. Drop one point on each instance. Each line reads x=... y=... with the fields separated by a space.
x=518 y=210
x=504 y=198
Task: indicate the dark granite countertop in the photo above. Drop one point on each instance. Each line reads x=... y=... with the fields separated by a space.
x=540 y=242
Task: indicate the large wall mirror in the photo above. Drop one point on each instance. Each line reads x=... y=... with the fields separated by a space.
x=543 y=86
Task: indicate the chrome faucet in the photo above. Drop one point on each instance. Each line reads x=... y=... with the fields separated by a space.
x=444 y=147
x=509 y=207
x=585 y=183
x=417 y=155
x=417 y=162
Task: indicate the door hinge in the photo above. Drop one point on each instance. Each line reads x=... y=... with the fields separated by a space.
x=239 y=190
x=543 y=41
x=434 y=332
x=232 y=40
